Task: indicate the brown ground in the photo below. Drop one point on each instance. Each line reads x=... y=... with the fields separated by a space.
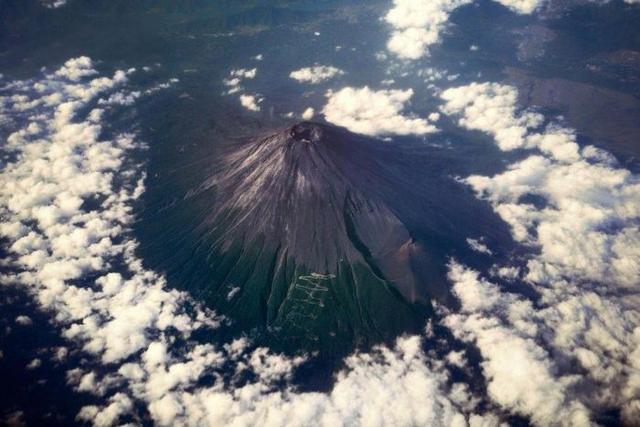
x=609 y=118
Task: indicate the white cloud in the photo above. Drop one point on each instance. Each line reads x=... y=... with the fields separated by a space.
x=24 y=320
x=315 y=74
x=77 y=68
x=521 y=375
x=492 y=108
x=121 y=98
x=478 y=246
x=521 y=6
x=385 y=387
x=236 y=77
x=250 y=102
x=584 y=240
x=54 y=4
x=418 y=24
x=118 y=405
x=584 y=195
x=34 y=364
x=371 y=112
x=244 y=73
x=308 y=113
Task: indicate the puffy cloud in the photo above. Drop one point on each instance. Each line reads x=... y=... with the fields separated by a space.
x=584 y=195
x=77 y=68
x=371 y=112
x=491 y=108
x=574 y=232
x=530 y=353
x=56 y=240
x=584 y=237
x=236 y=77
x=121 y=98
x=418 y=24
x=24 y=320
x=118 y=405
x=521 y=6
x=308 y=113
x=396 y=386
x=250 y=102
x=34 y=364
x=315 y=74
x=521 y=375
x=243 y=73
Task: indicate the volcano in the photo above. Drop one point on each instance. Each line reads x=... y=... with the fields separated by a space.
x=316 y=194
x=317 y=235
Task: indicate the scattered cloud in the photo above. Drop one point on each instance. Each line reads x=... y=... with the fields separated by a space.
x=236 y=77
x=121 y=98
x=250 y=102
x=243 y=73
x=370 y=112
x=234 y=83
x=584 y=239
x=161 y=86
x=520 y=374
x=315 y=74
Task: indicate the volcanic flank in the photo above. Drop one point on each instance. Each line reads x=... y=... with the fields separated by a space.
x=308 y=233
x=315 y=194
